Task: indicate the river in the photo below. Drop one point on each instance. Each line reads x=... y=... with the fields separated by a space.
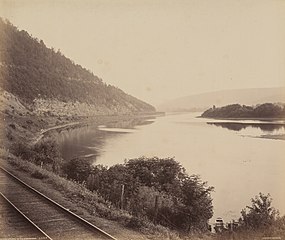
x=236 y=157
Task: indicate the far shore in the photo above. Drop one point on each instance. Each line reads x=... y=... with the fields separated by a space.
x=239 y=119
x=275 y=137
x=249 y=123
x=91 y=120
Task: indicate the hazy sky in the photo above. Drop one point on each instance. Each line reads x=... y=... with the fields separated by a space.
x=158 y=49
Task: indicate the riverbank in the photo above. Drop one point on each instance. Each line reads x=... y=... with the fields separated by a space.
x=78 y=195
x=89 y=205
x=100 y=120
x=29 y=130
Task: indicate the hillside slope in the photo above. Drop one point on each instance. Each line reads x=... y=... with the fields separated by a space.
x=219 y=98
x=48 y=82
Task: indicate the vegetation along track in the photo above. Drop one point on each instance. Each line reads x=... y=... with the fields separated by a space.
x=49 y=219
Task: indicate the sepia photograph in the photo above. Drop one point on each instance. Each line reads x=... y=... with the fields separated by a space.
x=142 y=119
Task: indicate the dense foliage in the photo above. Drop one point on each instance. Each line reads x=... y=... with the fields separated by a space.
x=258 y=221
x=30 y=70
x=266 y=110
x=153 y=188
x=260 y=214
x=45 y=152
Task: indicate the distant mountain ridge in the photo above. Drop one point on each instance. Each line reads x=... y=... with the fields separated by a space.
x=203 y=101
x=47 y=81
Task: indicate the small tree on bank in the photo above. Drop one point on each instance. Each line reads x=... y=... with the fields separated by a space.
x=260 y=214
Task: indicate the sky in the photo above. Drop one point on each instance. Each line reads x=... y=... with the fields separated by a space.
x=158 y=50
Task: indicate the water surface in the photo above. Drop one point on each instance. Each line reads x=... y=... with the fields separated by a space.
x=230 y=155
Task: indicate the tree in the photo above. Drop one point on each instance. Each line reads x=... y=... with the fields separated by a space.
x=197 y=202
x=77 y=169
x=187 y=203
x=158 y=189
x=163 y=174
x=260 y=214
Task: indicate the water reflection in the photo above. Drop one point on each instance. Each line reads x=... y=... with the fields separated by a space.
x=234 y=126
x=130 y=123
x=88 y=141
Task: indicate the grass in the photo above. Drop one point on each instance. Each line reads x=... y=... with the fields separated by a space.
x=37 y=174
x=84 y=202
x=4 y=153
x=70 y=188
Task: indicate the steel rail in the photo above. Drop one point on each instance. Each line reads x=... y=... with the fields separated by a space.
x=80 y=219
x=21 y=213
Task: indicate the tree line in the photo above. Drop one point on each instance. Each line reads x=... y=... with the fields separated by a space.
x=158 y=189
x=266 y=110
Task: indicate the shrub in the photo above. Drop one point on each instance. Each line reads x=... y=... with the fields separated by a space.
x=23 y=151
x=157 y=189
x=12 y=125
x=47 y=151
x=261 y=214
x=135 y=223
x=39 y=175
x=77 y=169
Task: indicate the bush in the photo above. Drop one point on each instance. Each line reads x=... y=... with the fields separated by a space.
x=44 y=153
x=23 y=151
x=261 y=214
x=154 y=188
x=39 y=175
x=257 y=221
x=77 y=169
x=12 y=125
x=134 y=223
x=47 y=151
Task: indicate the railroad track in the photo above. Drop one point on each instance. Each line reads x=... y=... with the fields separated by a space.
x=40 y=216
x=14 y=225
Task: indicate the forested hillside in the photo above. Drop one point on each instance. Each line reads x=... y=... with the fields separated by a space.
x=266 y=110
x=33 y=72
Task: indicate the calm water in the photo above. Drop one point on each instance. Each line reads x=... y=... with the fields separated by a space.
x=229 y=155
